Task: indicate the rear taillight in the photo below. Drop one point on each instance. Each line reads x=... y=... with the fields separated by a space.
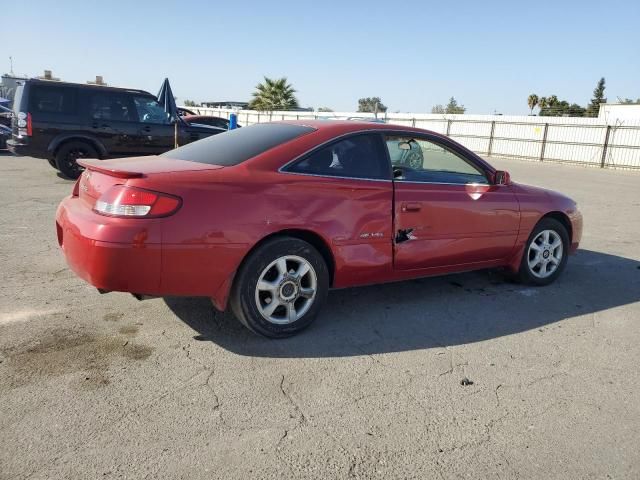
x=124 y=201
x=25 y=126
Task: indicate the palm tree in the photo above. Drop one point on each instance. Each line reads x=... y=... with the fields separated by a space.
x=274 y=95
x=543 y=103
x=552 y=101
x=532 y=101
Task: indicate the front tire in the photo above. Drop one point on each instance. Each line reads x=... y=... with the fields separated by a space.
x=280 y=288
x=68 y=154
x=545 y=253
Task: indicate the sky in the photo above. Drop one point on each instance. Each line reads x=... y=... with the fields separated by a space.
x=489 y=55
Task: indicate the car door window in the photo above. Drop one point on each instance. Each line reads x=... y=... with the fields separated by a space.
x=358 y=156
x=110 y=106
x=150 y=111
x=419 y=160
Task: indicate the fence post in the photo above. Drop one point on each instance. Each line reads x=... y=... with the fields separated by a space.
x=297 y=117
x=603 y=160
x=247 y=119
x=493 y=127
x=258 y=118
x=544 y=141
x=413 y=122
x=448 y=126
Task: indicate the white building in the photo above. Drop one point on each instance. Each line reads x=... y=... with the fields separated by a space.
x=616 y=113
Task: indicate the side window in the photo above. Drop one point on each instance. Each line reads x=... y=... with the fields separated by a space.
x=150 y=111
x=110 y=106
x=45 y=99
x=419 y=160
x=359 y=156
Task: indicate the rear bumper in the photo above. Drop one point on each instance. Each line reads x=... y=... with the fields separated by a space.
x=113 y=256
x=24 y=149
x=127 y=255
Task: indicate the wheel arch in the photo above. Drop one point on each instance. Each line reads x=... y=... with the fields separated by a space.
x=221 y=297
x=514 y=263
x=563 y=219
x=309 y=236
x=60 y=140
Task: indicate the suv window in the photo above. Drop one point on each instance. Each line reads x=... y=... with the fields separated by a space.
x=420 y=160
x=150 y=111
x=358 y=156
x=52 y=99
x=110 y=106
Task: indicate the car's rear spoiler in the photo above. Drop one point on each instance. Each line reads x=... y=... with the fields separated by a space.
x=96 y=165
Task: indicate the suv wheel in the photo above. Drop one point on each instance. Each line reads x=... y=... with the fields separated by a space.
x=280 y=288
x=67 y=155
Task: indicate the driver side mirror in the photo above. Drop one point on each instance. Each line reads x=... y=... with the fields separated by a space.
x=501 y=177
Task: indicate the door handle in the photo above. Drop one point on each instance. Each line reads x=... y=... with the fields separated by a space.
x=411 y=207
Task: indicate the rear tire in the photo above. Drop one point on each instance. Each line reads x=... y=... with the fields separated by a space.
x=67 y=155
x=280 y=288
x=545 y=253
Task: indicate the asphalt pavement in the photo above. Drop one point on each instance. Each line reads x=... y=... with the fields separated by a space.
x=463 y=376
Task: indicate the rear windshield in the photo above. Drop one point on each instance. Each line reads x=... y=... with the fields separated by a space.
x=236 y=146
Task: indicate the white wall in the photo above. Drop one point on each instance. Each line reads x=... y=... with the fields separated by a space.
x=613 y=113
x=567 y=139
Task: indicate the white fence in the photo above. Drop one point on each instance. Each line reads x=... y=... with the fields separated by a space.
x=584 y=141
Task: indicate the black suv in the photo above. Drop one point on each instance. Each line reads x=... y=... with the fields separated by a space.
x=66 y=121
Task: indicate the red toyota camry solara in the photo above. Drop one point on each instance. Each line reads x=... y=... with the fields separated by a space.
x=267 y=218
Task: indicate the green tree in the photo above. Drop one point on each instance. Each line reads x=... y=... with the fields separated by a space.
x=371 y=105
x=274 y=95
x=561 y=108
x=437 y=109
x=598 y=97
x=630 y=101
x=543 y=103
x=324 y=109
x=532 y=101
x=453 y=107
x=190 y=103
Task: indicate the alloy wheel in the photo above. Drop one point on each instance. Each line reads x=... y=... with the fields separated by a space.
x=286 y=289
x=545 y=253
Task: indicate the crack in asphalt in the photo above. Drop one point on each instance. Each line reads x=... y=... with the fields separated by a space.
x=302 y=418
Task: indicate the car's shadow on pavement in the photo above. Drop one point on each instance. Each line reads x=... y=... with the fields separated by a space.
x=431 y=312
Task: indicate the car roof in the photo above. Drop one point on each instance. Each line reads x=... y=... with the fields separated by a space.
x=341 y=127
x=56 y=83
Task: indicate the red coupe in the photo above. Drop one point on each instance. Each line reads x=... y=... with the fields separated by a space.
x=267 y=218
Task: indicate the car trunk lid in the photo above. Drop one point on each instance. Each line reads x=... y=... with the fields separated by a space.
x=100 y=175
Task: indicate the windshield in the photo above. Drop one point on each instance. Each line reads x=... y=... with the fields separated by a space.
x=236 y=146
